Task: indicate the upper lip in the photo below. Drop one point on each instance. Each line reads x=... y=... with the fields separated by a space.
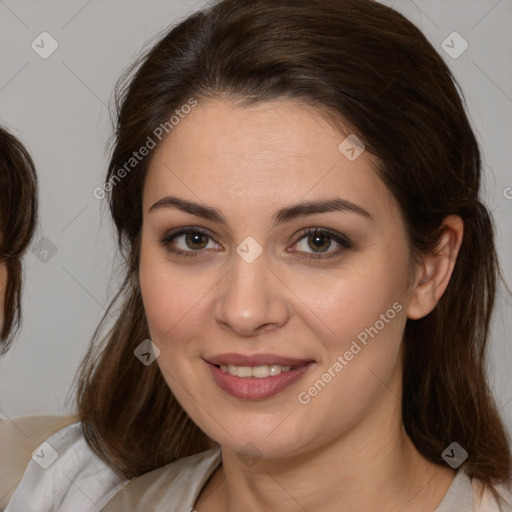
x=255 y=360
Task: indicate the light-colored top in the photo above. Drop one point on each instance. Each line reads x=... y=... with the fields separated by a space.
x=19 y=437
x=65 y=475
x=78 y=481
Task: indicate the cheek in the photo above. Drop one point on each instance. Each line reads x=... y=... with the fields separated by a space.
x=169 y=307
x=174 y=300
x=359 y=319
x=360 y=295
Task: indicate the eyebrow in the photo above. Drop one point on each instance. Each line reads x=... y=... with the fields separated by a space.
x=284 y=215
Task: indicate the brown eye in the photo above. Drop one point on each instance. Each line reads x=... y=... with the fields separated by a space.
x=196 y=241
x=189 y=242
x=320 y=243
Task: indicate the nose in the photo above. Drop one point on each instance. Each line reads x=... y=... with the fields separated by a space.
x=251 y=299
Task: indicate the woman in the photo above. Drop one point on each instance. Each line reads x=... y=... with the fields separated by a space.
x=18 y=213
x=309 y=283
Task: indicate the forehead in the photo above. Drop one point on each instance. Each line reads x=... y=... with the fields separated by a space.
x=264 y=155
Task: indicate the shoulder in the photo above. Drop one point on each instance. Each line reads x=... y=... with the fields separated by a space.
x=18 y=439
x=64 y=474
x=177 y=484
x=484 y=500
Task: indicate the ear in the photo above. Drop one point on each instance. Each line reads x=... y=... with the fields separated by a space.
x=434 y=272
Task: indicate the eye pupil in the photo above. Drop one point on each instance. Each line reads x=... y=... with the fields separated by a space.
x=196 y=240
x=319 y=242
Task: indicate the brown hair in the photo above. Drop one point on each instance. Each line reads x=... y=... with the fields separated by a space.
x=18 y=214
x=372 y=69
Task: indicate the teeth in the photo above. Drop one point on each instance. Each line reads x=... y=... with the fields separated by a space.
x=260 y=372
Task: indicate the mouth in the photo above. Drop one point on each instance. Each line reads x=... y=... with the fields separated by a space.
x=256 y=377
x=259 y=372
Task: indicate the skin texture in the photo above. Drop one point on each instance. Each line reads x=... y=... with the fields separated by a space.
x=346 y=449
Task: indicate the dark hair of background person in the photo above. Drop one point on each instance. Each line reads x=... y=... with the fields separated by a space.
x=18 y=216
x=369 y=69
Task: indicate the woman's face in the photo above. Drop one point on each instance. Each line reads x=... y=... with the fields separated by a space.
x=269 y=250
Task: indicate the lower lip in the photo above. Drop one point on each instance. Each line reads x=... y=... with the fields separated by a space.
x=252 y=388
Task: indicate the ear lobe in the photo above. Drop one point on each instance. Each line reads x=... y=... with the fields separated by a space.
x=435 y=270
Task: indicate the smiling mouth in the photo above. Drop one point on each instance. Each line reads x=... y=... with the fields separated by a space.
x=257 y=381
x=260 y=372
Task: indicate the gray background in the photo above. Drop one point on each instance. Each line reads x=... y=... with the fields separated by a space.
x=59 y=108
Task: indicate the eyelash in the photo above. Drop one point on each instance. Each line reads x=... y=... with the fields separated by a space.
x=341 y=240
